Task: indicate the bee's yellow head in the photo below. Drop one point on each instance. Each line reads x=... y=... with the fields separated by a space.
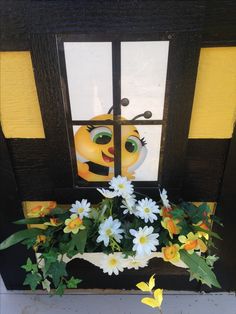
x=95 y=143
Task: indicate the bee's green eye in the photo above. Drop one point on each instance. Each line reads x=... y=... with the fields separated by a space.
x=133 y=144
x=101 y=135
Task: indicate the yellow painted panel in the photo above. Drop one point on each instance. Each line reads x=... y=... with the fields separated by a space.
x=214 y=107
x=19 y=107
x=32 y=209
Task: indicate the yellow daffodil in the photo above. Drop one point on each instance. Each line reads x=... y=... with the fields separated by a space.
x=166 y=212
x=53 y=222
x=204 y=226
x=147 y=287
x=41 y=238
x=157 y=294
x=156 y=301
x=171 y=226
x=171 y=253
x=73 y=224
x=41 y=211
x=192 y=242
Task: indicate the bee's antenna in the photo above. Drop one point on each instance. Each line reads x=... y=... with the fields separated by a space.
x=124 y=102
x=146 y=115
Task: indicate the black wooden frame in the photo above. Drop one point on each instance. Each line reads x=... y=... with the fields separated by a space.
x=181 y=74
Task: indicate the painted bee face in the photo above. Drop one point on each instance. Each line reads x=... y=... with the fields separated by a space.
x=95 y=143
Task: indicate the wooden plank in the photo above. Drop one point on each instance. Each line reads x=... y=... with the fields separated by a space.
x=11 y=210
x=30 y=159
x=225 y=268
x=14 y=17
x=204 y=168
x=116 y=16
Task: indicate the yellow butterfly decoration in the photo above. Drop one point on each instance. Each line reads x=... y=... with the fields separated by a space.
x=156 y=300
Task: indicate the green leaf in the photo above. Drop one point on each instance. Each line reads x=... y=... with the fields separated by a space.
x=211 y=259
x=49 y=258
x=29 y=266
x=178 y=213
x=60 y=289
x=57 y=270
x=199 y=268
x=19 y=236
x=73 y=282
x=211 y=233
x=78 y=241
x=31 y=221
x=32 y=279
x=58 y=211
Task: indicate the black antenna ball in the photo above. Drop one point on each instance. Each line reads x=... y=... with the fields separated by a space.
x=124 y=102
x=147 y=114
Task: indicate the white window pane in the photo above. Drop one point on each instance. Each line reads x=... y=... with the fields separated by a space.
x=138 y=159
x=89 y=74
x=143 y=77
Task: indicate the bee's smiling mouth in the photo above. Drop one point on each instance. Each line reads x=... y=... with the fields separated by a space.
x=107 y=158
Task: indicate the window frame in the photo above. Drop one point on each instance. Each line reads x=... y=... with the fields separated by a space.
x=53 y=97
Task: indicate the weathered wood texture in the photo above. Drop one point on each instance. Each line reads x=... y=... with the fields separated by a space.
x=204 y=167
x=10 y=210
x=225 y=268
x=20 y=18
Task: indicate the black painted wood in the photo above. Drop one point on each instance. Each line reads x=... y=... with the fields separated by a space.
x=10 y=210
x=30 y=162
x=47 y=76
x=204 y=168
x=181 y=76
x=225 y=268
x=203 y=171
x=20 y=18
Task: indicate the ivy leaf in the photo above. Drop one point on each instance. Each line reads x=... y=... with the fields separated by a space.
x=49 y=258
x=29 y=266
x=78 y=241
x=199 y=268
x=211 y=259
x=73 y=282
x=32 y=279
x=60 y=289
x=57 y=270
x=19 y=236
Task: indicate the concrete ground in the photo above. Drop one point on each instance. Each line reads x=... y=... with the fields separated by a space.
x=21 y=302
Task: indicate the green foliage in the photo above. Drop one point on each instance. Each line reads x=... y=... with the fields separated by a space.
x=57 y=270
x=32 y=221
x=211 y=259
x=73 y=282
x=199 y=268
x=32 y=279
x=29 y=266
x=19 y=237
x=60 y=289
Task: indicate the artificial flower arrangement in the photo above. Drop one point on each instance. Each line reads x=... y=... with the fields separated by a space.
x=125 y=230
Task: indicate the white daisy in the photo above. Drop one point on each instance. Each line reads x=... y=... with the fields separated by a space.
x=135 y=262
x=145 y=241
x=147 y=209
x=81 y=208
x=164 y=198
x=122 y=186
x=110 y=229
x=112 y=263
x=129 y=205
x=108 y=193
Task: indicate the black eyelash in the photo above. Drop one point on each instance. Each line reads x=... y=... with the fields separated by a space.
x=143 y=141
x=90 y=128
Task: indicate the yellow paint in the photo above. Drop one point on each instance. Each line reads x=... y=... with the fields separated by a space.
x=19 y=107
x=214 y=107
x=29 y=205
